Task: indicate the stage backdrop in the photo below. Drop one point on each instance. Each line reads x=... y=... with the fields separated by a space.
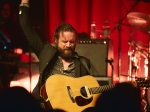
x=81 y=13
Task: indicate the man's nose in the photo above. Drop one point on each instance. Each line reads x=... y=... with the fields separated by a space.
x=68 y=44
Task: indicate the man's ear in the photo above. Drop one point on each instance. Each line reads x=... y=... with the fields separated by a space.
x=55 y=41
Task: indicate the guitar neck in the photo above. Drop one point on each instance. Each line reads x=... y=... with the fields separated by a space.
x=101 y=89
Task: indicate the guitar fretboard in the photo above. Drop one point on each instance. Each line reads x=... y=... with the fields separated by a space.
x=101 y=89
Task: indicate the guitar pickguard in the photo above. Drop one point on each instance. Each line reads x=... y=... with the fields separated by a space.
x=80 y=101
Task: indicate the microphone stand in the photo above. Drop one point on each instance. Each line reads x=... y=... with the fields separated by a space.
x=110 y=61
x=118 y=26
x=30 y=68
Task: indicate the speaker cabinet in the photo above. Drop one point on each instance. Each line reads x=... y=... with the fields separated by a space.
x=104 y=80
x=99 y=52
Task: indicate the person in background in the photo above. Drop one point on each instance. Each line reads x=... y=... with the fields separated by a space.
x=18 y=99
x=11 y=35
x=125 y=97
x=59 y=58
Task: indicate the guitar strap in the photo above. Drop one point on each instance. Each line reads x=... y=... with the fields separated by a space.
x=85 y=64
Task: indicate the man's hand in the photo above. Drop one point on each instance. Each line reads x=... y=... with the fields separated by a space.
x=24 y=1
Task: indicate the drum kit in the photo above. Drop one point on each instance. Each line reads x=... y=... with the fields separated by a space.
x=137 y=49
x=141 y=22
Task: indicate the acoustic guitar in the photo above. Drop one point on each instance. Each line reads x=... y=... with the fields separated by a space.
x=72 y=94
x=76 y=94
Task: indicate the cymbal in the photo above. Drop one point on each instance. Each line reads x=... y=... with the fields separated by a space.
x=140 y=21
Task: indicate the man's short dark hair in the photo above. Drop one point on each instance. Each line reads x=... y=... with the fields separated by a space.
x=63 y=27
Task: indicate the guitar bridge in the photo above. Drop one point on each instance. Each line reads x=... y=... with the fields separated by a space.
x=70 y=94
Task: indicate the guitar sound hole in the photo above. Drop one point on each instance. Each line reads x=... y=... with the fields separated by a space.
x=85 y=92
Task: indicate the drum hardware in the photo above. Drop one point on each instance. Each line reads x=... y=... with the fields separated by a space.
x=145 y=55
x=138 y=45
x=134 y=63
x=136 y=50
x=144 y=84
x=146 y=68
x=141 y=21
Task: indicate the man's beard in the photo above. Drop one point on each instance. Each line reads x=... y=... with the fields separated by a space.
x=66 y=54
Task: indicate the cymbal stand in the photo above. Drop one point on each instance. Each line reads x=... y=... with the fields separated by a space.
x=118 y=26
x=133 y=65
x=147 y=105
x=130 y=53
x=148 y=53
x=30 y=68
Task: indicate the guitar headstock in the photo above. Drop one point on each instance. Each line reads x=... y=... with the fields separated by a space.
x=142 y=82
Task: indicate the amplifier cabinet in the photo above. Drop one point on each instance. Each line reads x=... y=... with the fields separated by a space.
x=104 y=80
x=99 y=52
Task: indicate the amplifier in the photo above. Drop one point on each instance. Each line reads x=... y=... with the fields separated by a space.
x=99 y=52
x=104 y=80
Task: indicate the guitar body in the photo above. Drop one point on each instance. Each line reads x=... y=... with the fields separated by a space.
x=64 y=92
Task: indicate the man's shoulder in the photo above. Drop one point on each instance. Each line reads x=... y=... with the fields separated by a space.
x=83 y=57
x=80 y=56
